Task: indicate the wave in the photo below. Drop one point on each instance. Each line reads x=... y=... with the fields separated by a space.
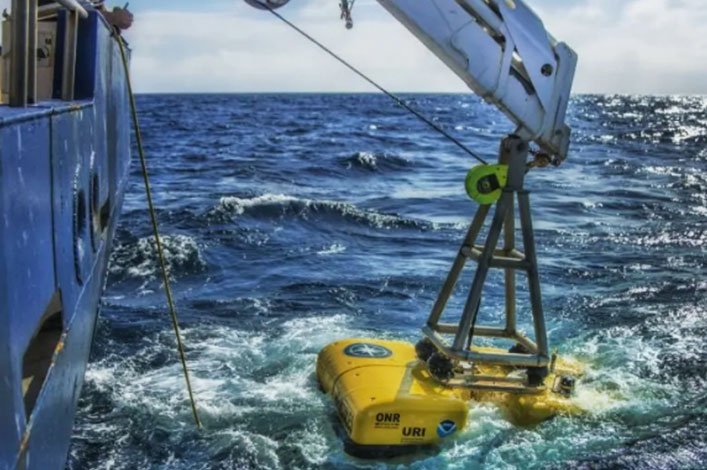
x=333 y=249
x=280 y=205
x=136 y=258
x=375 y=162
x=620 y=233
x=241 y=380
x=258 y=399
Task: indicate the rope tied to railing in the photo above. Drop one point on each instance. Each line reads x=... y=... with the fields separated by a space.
x=155 y=229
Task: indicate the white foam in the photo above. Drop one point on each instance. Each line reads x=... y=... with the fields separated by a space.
x=332 y=249
x=592 y=204
x=367 y=159
x=233 y=396
x=305 y=207
x=239 y=205
x=137 y=260
x=224 y=366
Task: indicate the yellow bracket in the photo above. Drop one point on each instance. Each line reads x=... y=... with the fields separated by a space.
x=484 y=183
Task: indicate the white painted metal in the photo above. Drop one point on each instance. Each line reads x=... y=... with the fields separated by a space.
x=73 y=5
x=502 y=51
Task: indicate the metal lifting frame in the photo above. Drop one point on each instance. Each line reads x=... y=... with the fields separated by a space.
x=514 y=153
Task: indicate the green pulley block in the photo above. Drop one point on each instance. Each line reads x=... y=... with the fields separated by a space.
x=484 y=183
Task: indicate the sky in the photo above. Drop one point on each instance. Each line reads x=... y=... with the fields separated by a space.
x=624 y=46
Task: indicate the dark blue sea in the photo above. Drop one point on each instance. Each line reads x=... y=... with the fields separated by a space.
x=292 y=220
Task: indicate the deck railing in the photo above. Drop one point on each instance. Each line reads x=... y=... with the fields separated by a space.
x=23 y=57
x=73 y=5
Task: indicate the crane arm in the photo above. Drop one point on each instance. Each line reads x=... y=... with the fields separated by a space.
x=502 y=51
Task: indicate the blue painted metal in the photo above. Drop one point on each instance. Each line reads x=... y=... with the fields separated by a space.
x=63 y=170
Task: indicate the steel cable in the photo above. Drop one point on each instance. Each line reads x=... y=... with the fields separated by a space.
x=390 y=95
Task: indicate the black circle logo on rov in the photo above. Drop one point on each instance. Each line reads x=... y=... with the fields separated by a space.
x=367 y=350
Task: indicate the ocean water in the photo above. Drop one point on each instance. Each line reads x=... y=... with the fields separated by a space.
x=291 y=221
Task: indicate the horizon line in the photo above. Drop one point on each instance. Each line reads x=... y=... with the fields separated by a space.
x=373 y=92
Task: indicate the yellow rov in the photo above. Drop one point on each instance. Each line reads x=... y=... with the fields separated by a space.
x=393 y=397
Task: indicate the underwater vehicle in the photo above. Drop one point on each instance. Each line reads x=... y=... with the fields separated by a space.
x=393 y=397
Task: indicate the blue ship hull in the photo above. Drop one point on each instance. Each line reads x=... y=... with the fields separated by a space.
x=63 y=170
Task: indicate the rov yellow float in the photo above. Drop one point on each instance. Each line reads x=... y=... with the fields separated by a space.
x=385 y=398
x=389 y=402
